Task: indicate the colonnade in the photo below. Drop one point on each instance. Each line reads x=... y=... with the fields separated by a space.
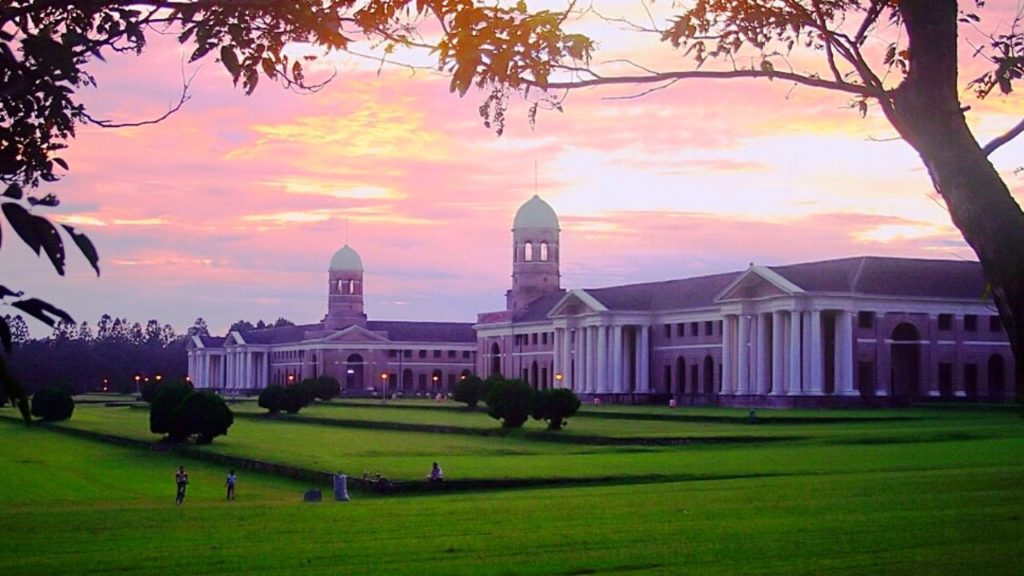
x=603 y=359
x=233 y=369
x=783 y=353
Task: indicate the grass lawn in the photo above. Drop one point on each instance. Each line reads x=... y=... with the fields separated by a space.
x=955 y=506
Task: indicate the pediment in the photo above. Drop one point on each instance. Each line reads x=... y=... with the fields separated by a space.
x=234 y=338
x=577 y=303
x=355 y=334
x=758 y=282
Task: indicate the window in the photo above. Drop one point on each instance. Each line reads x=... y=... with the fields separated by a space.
x=423 y=353
x=533 y=339
x=528 y=252
x=451 y=353
x=945 y=321
x=544 y=255
x=709 y=327
x=668 y=331
x=544 y=338
x=680 y=330
x=465 y=354
x=994 y=325
x=694 y=328
x=437 y=353
x=971 y=323
x=407 y=353
x=392 y=353
x=866 y=319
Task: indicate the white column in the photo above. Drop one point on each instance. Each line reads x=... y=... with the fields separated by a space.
x=844 y=354
x=761 y=379
x=556 y=354
x=743 y=356
x=643 y=384
x=728 y=354
x=603 y=358
x=265 y=377
x=617 y=380
x=566 y=358
x=817 y=373
x=778 y=353
x=592 y=359
x=577 y=371
x=795 y=368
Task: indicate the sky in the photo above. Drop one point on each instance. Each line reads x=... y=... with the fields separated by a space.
x=232 y=208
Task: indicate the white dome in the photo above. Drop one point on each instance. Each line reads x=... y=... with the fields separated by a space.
x=347 y=259
x=536 y=213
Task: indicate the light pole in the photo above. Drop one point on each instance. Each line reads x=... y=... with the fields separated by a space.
x=435 y=378
x=384 y=387
x=137 y=378
x=558 y=379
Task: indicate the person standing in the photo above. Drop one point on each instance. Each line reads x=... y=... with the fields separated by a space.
x=181 y=479
x=230 y=483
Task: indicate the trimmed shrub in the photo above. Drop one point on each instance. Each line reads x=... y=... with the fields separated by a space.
x=149 y=390
x=469 y=391
x=326 y=387
x=53 y=404
x=164 y=413
x=553 y=406
x=273 y=398
x=205 y=415
x=3 y=397
x=296 y=397
x=509 y=402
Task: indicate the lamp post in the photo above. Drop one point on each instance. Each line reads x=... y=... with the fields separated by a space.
x=435 y=378
x=137 y=378
x=558 y=379
x=291 y=379
x=384 y=387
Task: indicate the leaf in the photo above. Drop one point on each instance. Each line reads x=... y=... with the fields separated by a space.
x=5 y=336
x=42 y=311
x=22 y=223
x=85 y=246
x=13 y=191
x=50 y=201
x=61 y=162
x=5 y=292
x=230 y=61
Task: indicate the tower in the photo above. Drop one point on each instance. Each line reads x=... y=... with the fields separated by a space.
x=534 y=254
x=345 y=290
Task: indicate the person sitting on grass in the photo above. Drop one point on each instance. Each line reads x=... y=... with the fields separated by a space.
x=436 y=474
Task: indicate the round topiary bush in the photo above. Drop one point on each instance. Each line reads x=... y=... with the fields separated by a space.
x=3 y=397
x=297 y=397
x=273 y=398
x=509 y=402
x=205 y=415
x=553 y=406
x=326 y=387
x=149 y=390
x=468 y=390
x=164 y=417
x=53 y=404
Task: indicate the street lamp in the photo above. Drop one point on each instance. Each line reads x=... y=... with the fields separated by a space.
x=137 y=378
x=558 y=379
x=384 y=387
x=291 y=379
x=435 y=378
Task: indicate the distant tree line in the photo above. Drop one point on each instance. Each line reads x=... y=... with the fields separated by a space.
x=110 y=354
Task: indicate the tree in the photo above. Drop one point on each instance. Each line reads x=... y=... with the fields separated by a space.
x=199 y=328
x=553 y=406
x=165 y=410
x=509 y=402
x=242 y=326
x=326 y=387
x=468 y=390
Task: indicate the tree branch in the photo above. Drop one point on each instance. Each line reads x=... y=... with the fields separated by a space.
x=998 y=141
x=713 y=75
x=187 y=83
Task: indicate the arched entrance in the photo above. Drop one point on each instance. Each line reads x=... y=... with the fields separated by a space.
x=406 y=385
x=495 y=359
x=354 y=372
x=905 y=369
x=709 y=374
x=435 y=381
x=996 y=377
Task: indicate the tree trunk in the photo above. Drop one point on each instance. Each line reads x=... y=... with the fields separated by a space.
x=929 y=116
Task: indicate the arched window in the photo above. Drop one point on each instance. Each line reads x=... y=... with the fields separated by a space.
x=342 y=287
x=528 y=252
x=544 y=252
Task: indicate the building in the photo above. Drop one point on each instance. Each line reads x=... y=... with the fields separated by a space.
x=364 y=355
x=837 y=332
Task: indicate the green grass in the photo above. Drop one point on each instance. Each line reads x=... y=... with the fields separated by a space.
x=952 y=506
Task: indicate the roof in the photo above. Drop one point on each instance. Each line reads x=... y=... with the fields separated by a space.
x=397 y=331
x=863 y=275
x=535 y=213
x=347 y=259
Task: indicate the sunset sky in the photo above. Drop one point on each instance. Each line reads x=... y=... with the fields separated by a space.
x=232 y=208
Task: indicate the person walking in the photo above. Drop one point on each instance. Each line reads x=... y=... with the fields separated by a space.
x=181 y=479
x=230 y=483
